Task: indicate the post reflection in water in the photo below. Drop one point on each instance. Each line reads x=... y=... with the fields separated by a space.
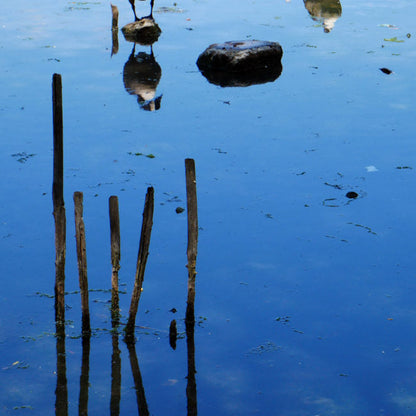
x=138 y=382
x=141 y=76
x=326 y=12
x=61 y=392
x=115 y=377
x=84 y=378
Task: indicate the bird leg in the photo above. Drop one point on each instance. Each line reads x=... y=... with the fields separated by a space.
x=134 y=10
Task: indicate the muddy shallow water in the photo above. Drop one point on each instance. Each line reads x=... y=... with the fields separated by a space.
x=304 y=296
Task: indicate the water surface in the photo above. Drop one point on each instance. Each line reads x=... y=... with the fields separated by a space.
x=304 y=297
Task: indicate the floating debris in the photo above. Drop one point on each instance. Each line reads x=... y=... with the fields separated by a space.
x=351 y=195
x=369 y=230
x=23 y=157
x=394 y=39
x=386 y=71
x=268 y=346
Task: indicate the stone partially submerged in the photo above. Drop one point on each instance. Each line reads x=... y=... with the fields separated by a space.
x=241 y=63
x=144 y=31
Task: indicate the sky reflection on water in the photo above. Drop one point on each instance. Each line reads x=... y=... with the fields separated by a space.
x=304 y=297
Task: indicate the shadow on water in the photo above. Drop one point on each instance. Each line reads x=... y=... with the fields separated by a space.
x=326 y=12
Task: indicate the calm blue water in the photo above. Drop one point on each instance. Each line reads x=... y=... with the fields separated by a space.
x=304 y=298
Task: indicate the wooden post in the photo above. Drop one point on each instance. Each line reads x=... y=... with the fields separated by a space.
x=192 y=210
x=115 y=257
x=58 y=200
x=141 y=261
x=82 y=261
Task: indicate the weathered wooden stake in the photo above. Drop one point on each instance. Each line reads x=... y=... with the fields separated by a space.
x=141 y=262
x=115 y=257
x=82 y=261
x=192 y=210
x=58 y=199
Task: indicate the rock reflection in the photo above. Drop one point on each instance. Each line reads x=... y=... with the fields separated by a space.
x=243 y=79
x=326 y=12
x=141 y=76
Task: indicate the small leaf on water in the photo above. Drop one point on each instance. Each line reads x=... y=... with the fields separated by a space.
x=394 y=39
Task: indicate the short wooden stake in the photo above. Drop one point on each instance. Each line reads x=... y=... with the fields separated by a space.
x=82 y=261
x=141 y=261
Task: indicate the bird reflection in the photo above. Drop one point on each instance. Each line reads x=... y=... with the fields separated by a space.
x=141 y=76
x=325 y=12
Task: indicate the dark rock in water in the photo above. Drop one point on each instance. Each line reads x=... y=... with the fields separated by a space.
x=241 y=63
x=144 y=31
x=351 y=195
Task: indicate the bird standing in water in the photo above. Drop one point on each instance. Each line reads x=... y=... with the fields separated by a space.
x=134 y=9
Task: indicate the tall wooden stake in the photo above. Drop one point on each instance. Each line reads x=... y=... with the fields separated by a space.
x=192 y=209
x=141 y=262
x=82 y=261
x=58 y=199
